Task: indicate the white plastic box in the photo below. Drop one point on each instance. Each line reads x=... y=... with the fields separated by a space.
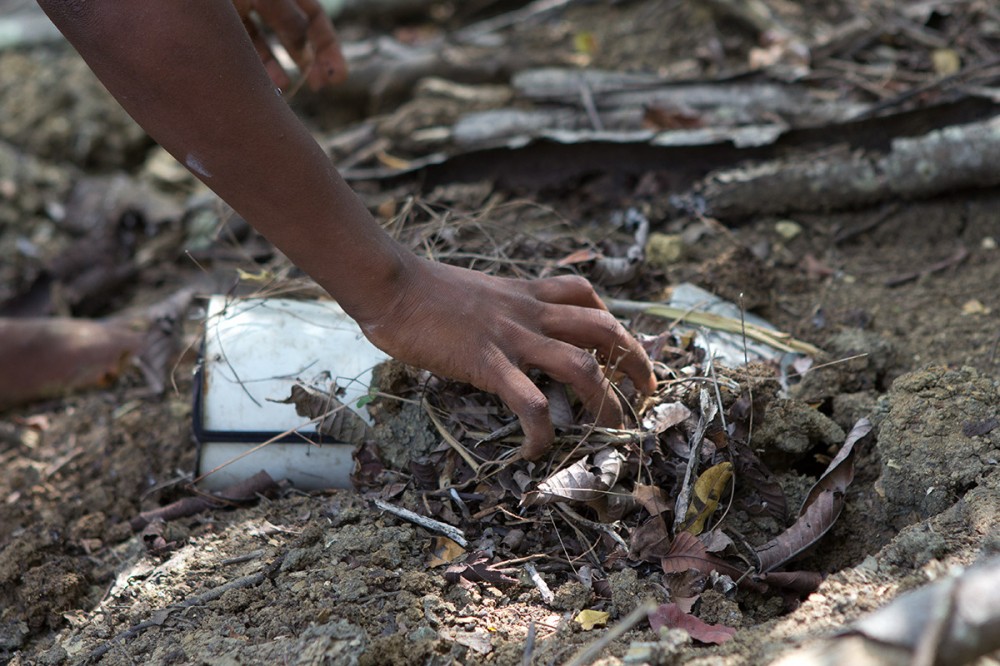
x=254 y=352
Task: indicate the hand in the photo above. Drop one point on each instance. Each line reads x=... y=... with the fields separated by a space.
x=307 y=34
x=490 y=331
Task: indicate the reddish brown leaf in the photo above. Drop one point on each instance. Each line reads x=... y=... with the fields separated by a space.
x=579 y=257
x=670 y=615
x=688 y=552
x=660 y=117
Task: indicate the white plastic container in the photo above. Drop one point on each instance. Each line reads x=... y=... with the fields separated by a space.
x=254 y=352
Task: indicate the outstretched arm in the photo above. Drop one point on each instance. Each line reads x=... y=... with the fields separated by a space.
x=188 y=73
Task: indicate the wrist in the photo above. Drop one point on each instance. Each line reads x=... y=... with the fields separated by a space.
x=380 y=285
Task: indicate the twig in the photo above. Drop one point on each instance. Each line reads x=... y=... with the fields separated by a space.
x=452 y=533
x=543 y=588
x=847 y=234
x=450 y=439
x=589 y=654
x=600 y=527
x=529 y=645
x=941 y=83
x=239 y=559
x=587 y=99
x=694 y=457
x=490 y=25
x=955 y=259
x=782 y=341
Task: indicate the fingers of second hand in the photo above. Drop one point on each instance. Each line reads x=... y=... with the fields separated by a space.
x=274 y=69
x=287 y=21
x=323 y=37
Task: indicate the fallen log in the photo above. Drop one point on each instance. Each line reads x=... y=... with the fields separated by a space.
x=945 y=160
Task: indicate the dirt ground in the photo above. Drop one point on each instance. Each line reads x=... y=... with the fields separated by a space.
x=327 y=577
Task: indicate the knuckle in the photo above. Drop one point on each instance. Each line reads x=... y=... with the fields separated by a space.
x=578 y=284
x=584 y=366
x=609 y=325
x=534 y=406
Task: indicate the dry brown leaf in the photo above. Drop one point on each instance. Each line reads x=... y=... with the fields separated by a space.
x=443 y=551
x=688 y=552
x=665 y=415
x=820 y=509
x=340 y=422
x=652 y=498
x=580 y=482
x=651 y=540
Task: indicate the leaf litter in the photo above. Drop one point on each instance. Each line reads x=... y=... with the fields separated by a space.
x=661 y=494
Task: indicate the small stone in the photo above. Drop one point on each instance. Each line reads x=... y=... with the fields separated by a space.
x=788 y=229
x=974 y=307
x=664 y=250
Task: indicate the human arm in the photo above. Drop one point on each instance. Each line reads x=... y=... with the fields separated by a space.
x=186 y=71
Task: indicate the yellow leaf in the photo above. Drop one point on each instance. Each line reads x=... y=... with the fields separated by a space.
x=946 y=61
x=708 y=491
x=443 y=551
x=263 y=276
x=588 y=619
x=585 y=43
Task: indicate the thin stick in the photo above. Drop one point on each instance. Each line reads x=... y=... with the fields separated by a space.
x=452 y=533
x=543 y=587
x=600 y=527
x=589 y=654
x=450 y=439
x=777 y=339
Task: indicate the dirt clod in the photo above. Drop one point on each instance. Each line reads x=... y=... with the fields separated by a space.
x=927 y=461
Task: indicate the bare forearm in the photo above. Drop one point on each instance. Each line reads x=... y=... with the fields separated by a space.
x=188 y=74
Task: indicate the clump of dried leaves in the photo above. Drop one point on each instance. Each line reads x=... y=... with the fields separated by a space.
x=661 y=496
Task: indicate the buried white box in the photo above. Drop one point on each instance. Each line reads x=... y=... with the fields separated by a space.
x=255 y=350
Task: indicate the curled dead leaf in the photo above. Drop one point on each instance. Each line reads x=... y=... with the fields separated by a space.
x=580 y=482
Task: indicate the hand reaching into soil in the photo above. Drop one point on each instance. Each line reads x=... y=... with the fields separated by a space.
x=306 y=33
x=489 y=331
x=188 y=74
